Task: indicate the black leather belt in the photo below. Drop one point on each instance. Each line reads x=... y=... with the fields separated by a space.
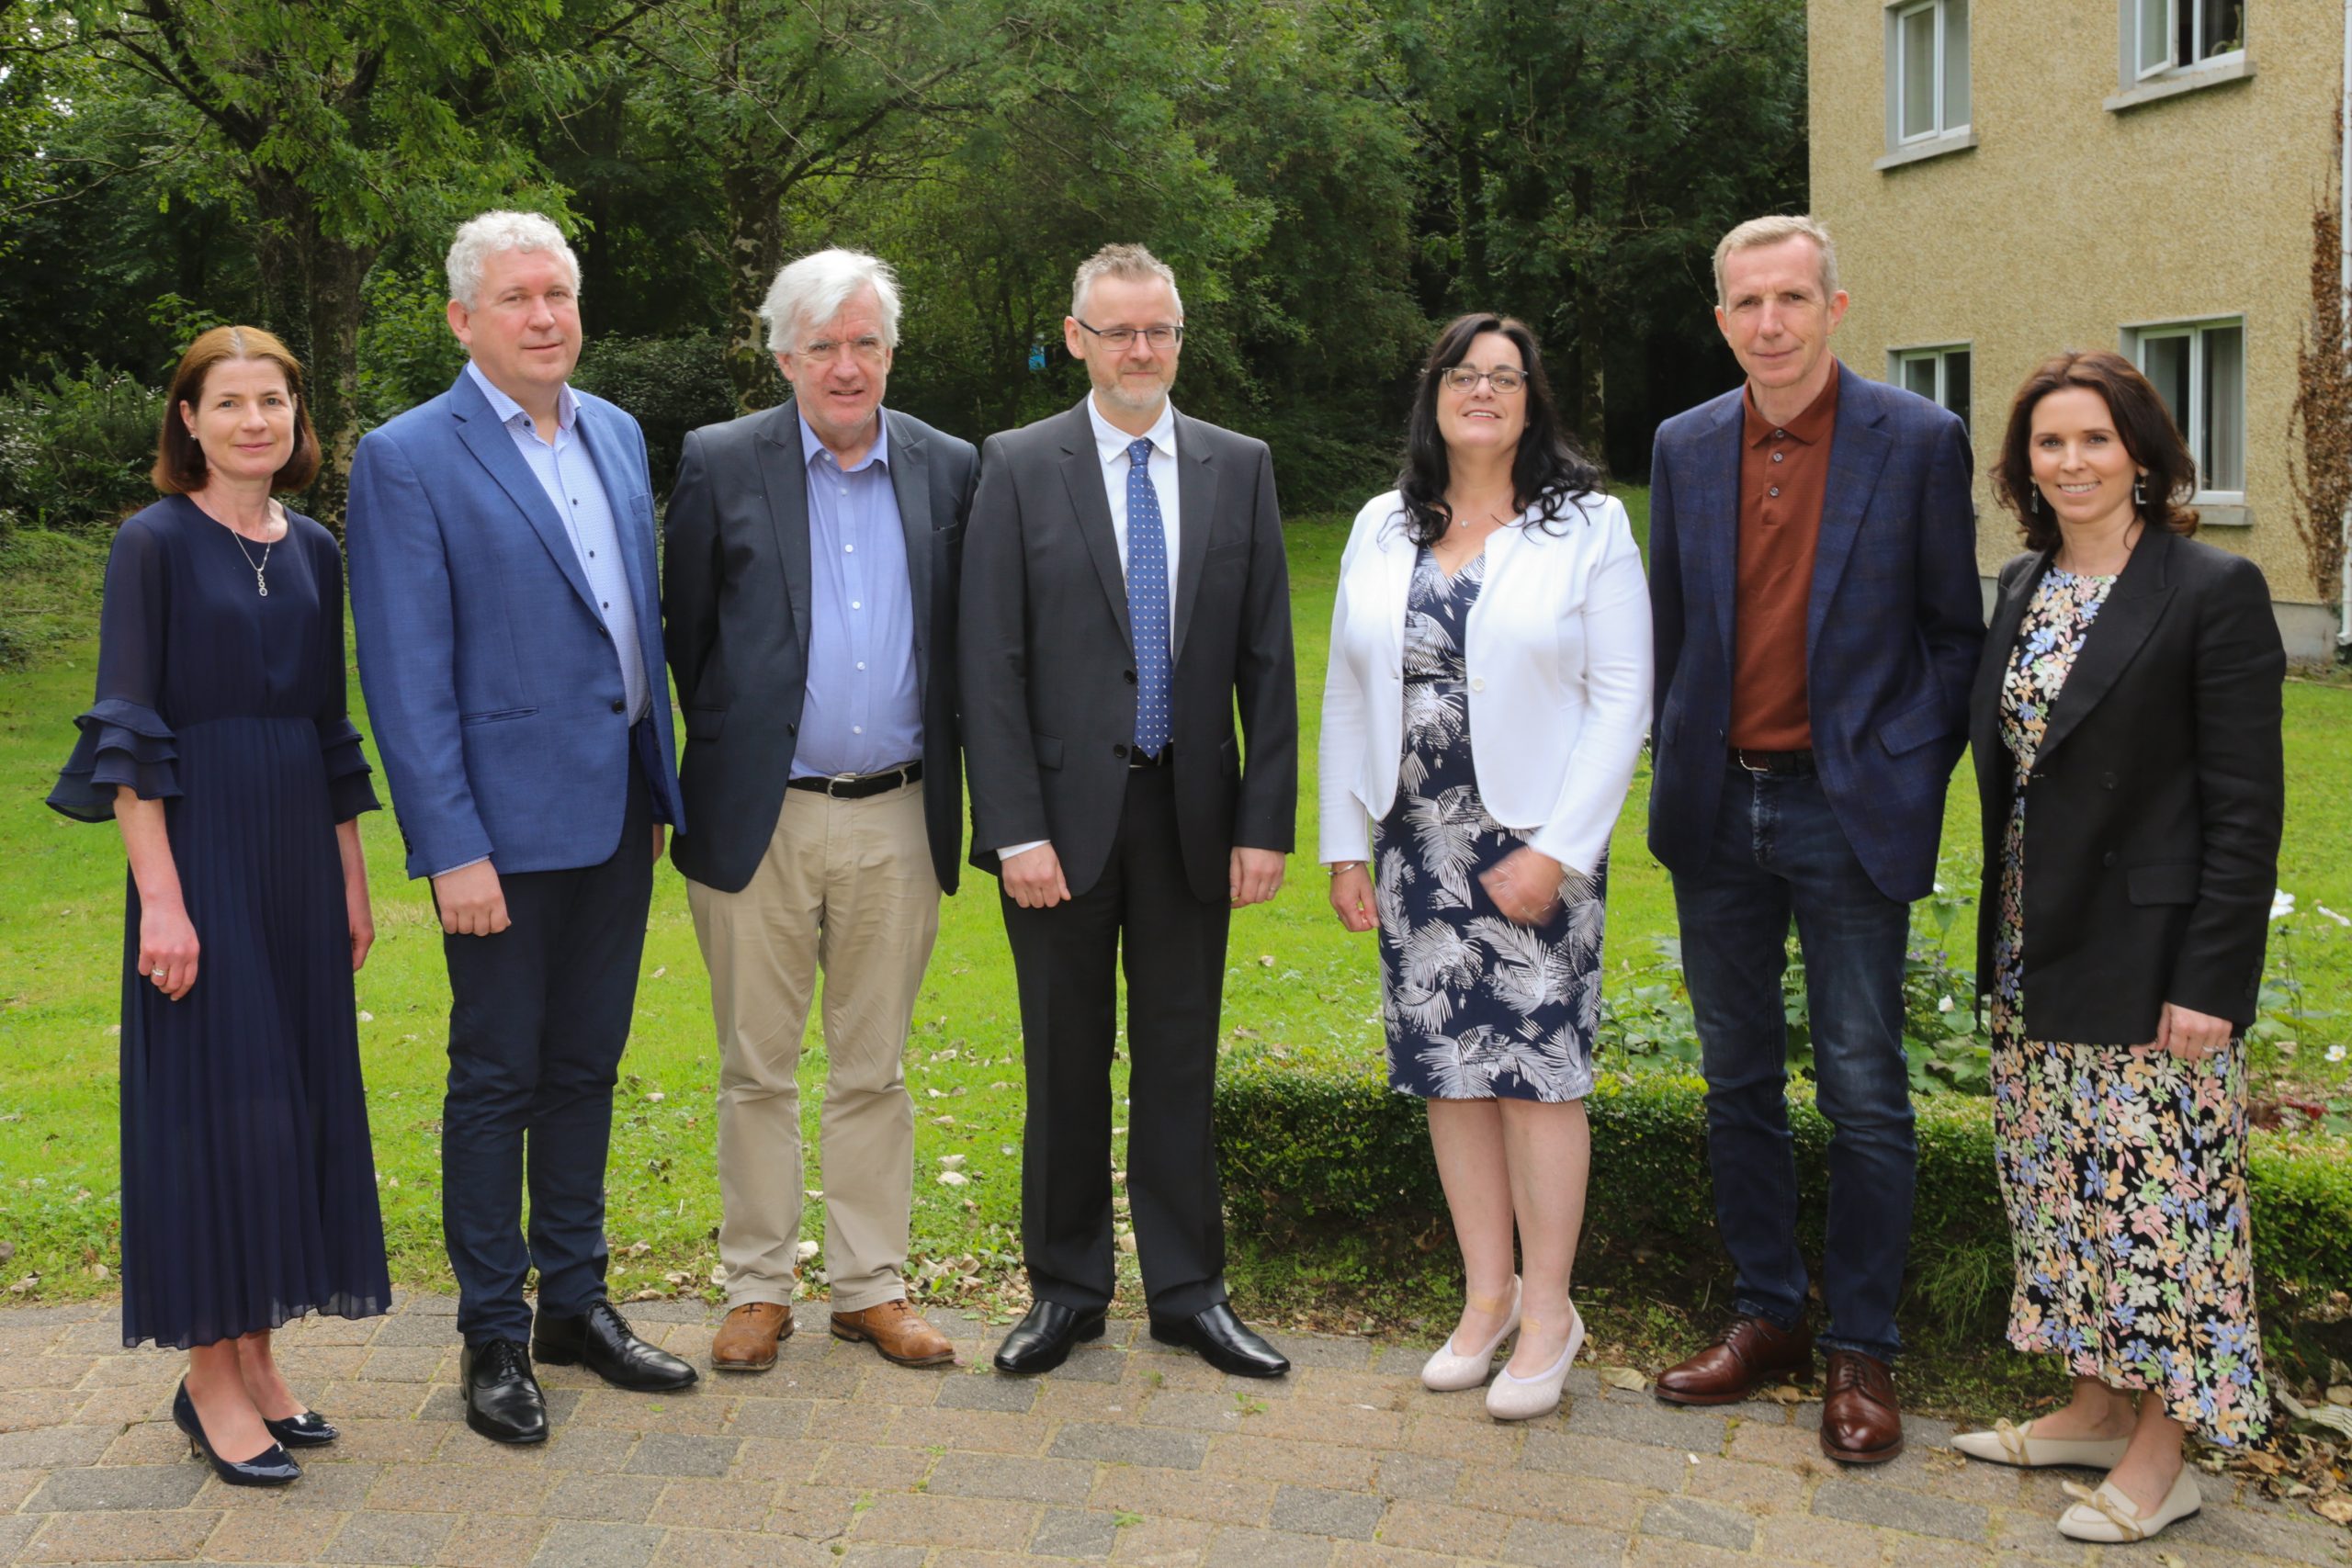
x=1787 y=765
x=857 y=786
x=1138 y=757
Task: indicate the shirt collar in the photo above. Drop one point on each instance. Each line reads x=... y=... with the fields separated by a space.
x=1110 y=442
x=877 y=453
x=567 y=402
x=1811 y=427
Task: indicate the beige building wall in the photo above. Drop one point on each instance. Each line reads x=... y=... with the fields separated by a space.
x=2069 y=220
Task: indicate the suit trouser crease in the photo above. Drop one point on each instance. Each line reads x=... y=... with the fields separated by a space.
x=845 y=889
x=1141 y=918
x=1779 y=852
x=539 y=1014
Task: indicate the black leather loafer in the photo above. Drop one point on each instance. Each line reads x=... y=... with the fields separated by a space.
x=1224 y=1341
x=602 y=1340
x=503 y=1399
x=1041 y=1341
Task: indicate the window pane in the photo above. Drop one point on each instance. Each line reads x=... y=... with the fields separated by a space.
x=2222 y=463
x=2155 y=34
x=2164 y=360
x=1917 y=39
x=2220 y=27
x=1956 y=383
x=1919 y=375
x=1955 y=64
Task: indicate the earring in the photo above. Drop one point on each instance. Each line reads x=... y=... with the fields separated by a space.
x=2033 y=500
x=2139 y=496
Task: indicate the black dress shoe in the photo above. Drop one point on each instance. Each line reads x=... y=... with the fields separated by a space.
x=602 y=1340
x=1041 y=1341
x=503 y=1399
x=1224 y=1341
x=271 y=1467
x=307 y=1431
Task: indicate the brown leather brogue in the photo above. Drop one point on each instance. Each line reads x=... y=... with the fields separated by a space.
x=747 y=1340
x=898 y=1332
x=1860 y=1423
x=1748 y=1352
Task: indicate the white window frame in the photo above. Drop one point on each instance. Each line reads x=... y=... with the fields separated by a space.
x=2135 y=341
x=1938 y=354
x=2135 y=73
x=1897 y=13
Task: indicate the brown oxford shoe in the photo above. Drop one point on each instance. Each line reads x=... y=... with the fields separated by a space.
x=746 y=1340
x=1860 y=1423
x=898 y=1332
x=1742 y=1356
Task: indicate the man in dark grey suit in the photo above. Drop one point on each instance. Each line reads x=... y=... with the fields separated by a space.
x=1125 y=591
x=809 y=598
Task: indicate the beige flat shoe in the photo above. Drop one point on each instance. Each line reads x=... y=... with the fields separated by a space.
x=2107 y=1516
x=2007 y=1444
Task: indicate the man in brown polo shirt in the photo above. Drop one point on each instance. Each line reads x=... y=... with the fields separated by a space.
x=1814 y=592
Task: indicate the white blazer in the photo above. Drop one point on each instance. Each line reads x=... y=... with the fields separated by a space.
x=1557 y=658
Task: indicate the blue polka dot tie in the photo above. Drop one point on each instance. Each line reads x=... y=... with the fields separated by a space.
x=1148 y=600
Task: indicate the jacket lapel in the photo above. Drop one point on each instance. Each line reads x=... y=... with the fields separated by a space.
x=1857 y=450
x=1398 y=554
x=2133 y=607
x=494 y=447
x=910 y=483
x=1196 y=507
x=1717 y=516
x=1992 y=664
x=1083 y=477
x=783 y=472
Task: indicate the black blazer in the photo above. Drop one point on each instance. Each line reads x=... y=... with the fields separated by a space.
x=735 y=594
x=2154 y=809
x=1048 y=672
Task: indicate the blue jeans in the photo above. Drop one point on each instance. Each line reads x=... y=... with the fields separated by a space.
x=1779 y=852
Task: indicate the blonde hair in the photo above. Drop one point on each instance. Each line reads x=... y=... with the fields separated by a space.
x=1761 y=231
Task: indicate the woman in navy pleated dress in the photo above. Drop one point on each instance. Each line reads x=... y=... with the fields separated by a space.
x=220 y=743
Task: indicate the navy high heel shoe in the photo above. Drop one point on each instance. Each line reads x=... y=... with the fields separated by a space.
x=307 y=1431
x=268 y=1468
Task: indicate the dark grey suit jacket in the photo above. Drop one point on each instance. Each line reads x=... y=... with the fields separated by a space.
x=735 y=594
x=1048 y=670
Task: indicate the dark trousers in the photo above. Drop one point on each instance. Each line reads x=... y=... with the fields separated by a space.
x=1142 y=917
x=1778 y=853
x=539 y=1015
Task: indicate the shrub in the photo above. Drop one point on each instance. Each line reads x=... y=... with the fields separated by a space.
x=74 y=450
x=671 y=384
x=1312 y=1144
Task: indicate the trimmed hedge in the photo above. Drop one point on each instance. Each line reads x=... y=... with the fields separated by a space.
x=1313 y=1144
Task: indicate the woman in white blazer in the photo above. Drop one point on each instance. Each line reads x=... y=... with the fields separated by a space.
x=1488 y=689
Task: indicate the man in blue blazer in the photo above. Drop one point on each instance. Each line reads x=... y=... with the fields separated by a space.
x=505 y=590
x=1814 y=600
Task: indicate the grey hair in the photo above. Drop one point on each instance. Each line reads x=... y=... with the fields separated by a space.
x=1131 y=262
x=481 y=237
x=812 y=290
x=1759 y=231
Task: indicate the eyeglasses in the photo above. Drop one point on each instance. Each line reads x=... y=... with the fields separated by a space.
x=867 y=348
x=1119 y=339
x=1505 y=380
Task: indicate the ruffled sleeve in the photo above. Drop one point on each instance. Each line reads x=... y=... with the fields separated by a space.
x=349 y=787
x=124 y=739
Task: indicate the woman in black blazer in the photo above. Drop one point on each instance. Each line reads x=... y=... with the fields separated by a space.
x=2125 y=723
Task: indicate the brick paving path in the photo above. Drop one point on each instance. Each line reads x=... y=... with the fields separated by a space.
x=1129 y=1454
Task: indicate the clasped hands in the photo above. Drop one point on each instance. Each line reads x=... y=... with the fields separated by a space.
x=1033 y=879
x=1525 y=886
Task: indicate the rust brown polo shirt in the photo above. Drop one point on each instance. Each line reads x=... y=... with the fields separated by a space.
x=1784 y=473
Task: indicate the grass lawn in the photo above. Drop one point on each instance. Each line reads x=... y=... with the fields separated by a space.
x=1294 y=975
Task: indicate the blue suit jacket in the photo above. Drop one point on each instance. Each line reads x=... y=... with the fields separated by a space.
x=1892 y=629
x=491 y=687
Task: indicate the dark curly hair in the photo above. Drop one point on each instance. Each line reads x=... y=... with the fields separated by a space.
x=1548 y=474
x=2142 y=422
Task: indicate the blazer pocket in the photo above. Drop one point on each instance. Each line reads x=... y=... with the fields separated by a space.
x=703 y=724
x=1909 y=731
x=2165 y=882
x=499 y=716
x=1049 y=751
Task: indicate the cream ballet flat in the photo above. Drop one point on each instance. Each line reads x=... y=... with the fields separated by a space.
x=2007 y=1444
x=1512 y=1398
x=1446 y=1371
x=2107 y=1516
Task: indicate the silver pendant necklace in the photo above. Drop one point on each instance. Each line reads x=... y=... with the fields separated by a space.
x=260 y=581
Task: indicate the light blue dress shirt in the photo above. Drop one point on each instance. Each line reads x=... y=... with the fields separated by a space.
x=568 y=474
x=863 y=713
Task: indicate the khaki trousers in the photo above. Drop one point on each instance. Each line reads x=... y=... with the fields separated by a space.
x=847 y=888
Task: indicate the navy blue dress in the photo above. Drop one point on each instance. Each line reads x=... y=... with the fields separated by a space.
x=248 y=1186
x=1476 y=1007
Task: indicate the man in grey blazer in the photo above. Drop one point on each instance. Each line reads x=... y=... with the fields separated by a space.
x=1125 y=593
x=808 y=600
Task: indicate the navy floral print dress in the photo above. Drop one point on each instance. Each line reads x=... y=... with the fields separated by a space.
x=2123 y=1168
x=1476 y=1007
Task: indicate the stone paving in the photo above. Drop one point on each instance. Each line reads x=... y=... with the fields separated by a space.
x=1129 y=1454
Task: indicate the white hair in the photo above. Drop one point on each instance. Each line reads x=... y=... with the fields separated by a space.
x=1771 y=231
x=1130 y=262
x=812 y=291
x=481 y=237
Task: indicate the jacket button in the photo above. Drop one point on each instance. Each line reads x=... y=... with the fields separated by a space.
x=1477 y=682
x=2106 y=779
x=1130 y=676
x=1118 y=749
x=2108 y=859
x=620 y=706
